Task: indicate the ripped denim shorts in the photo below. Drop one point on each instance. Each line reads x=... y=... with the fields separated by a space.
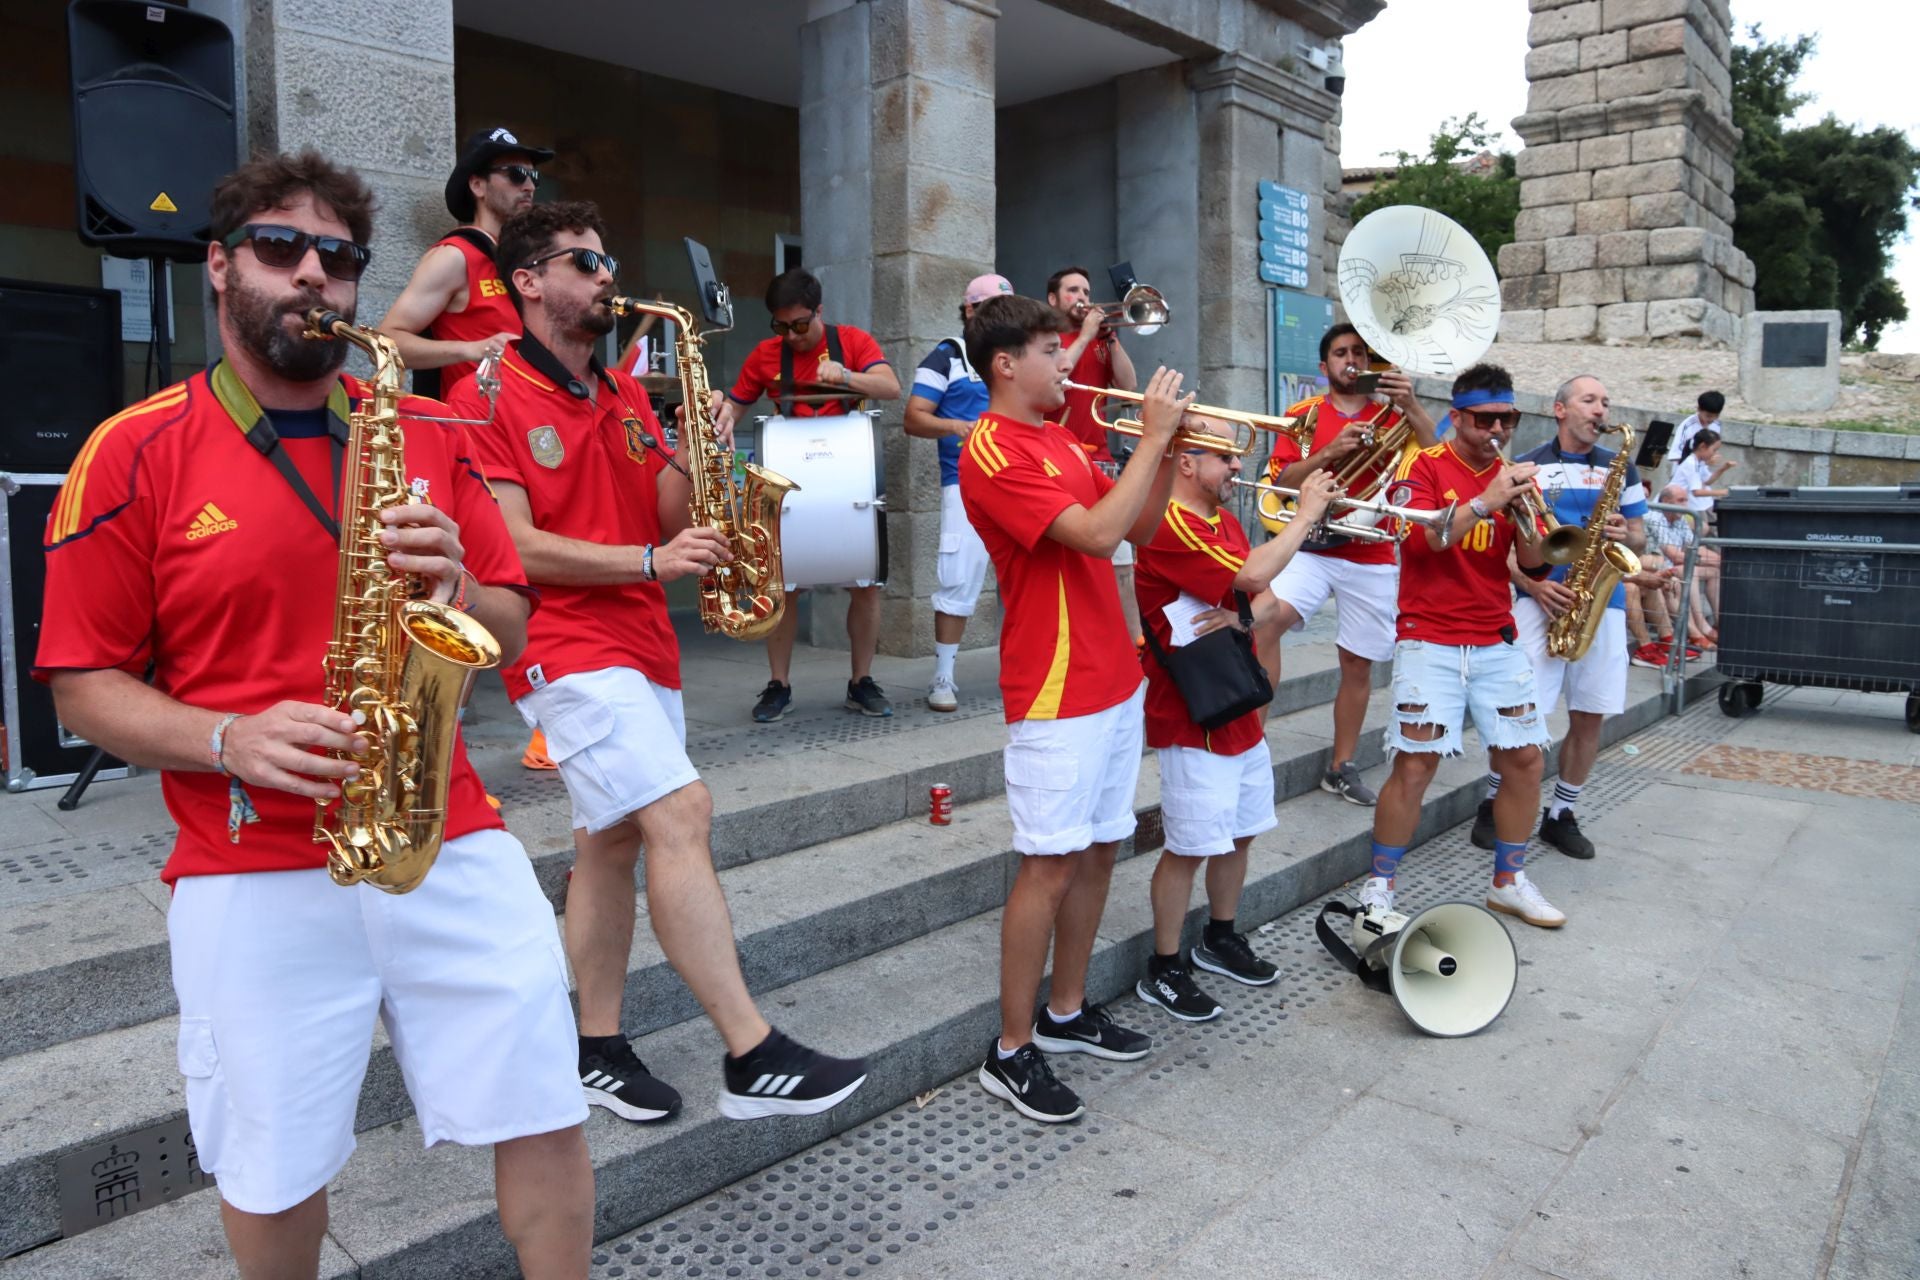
x=1445 y=683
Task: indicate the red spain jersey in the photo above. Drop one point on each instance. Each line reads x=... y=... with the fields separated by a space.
x=175 y=541
x=488 y=310
x=1461 y=595
x=1201 y=556
x=589 y=476
x=1094 y=368
x=760 y=374
x=1064 y=648
x=1327 y=423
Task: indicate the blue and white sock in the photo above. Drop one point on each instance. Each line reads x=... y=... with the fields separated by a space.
x=1386 y=860
x=1564 y=796
x=1509 y=860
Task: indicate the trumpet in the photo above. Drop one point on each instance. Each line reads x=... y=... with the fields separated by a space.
x=1536 y=525
x=1143 y=308
x=1368 y=511
x=1240 y=443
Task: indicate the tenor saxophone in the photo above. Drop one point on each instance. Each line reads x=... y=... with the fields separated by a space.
x=1598 y=567
x=397 y=665
x=744 y=597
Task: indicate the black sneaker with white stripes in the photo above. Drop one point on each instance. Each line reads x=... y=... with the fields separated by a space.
x=1170 y=986
x=1230 y=955
x=1027 y=1081
x=614 y=1077
x=1093 y=1031
x=782 y=1077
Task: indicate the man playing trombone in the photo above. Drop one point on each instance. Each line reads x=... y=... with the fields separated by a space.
x=1346 y=427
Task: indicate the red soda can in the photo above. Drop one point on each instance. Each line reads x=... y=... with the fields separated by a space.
x=940 y=804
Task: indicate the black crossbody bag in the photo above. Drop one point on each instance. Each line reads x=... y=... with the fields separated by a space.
x=1219 y=677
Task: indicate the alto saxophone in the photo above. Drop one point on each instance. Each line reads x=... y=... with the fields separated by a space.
x=744 y=597
x=1598 y=566
x=399 y=666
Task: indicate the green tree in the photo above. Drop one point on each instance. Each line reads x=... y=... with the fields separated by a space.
x=1485 y=204
x=1818 y=207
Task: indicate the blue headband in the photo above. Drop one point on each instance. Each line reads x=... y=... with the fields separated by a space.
x=1472 y=399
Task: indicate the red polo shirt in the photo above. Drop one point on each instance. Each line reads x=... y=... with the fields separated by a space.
x=174 y=540
x=1200 y=556
x=1094 y=368
x=587 y=475
x=760 y=374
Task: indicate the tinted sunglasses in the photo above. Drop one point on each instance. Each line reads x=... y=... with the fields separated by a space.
x=518 y=174
x=284 y=247
x=1508 y=418
x=589 y=261
x=795 y=327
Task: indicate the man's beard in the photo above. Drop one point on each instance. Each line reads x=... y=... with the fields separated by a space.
x=589 y=322
x=257 y=323
x=1339 y=383
x=503 y=205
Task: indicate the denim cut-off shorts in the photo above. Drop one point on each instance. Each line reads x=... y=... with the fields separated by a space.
x=1450 y=682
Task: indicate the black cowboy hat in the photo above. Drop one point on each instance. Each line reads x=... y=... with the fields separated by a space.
x=476 y=154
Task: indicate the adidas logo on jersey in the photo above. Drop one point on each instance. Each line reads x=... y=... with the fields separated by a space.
x=210 y=521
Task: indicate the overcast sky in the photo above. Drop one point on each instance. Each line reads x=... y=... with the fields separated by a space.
x=1856 y=73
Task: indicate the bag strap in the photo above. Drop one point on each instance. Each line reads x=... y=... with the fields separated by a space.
x=1370 y=977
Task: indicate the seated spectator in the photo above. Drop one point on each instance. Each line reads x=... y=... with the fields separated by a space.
x=1707 y=412
x=1670 y=535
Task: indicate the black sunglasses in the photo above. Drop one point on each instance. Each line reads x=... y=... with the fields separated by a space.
x=795 y=327
x=284 y=247
x=518 y=174
x=589 y=261
x=1508 y=418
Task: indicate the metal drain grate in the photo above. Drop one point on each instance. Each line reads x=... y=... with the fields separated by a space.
x=851 y=1205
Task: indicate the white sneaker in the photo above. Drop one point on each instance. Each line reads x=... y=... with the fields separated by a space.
x=1523 y=898
x=943 y=694
x=1376 y=894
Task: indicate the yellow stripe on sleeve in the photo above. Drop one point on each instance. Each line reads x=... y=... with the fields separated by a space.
x=65 y=518
x=1185 y=532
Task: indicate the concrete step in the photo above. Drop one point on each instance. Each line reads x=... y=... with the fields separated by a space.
x=398 y=1211
x=95 y=961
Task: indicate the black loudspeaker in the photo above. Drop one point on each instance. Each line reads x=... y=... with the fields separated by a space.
x=60 y=362
x=153 y=124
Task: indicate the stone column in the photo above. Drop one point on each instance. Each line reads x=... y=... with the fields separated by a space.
x=381 y=102
x=896 y=215
x=1626 y=199
x=1157 y=207
x=1255 y=122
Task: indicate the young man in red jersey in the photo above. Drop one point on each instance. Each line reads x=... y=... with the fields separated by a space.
x=599 y=514
x=1096 y=359
x=1216 y=786
x=1070 y=680
x=806 y=356
x=196 y=531
x=1456 y=655
x=1359 y=575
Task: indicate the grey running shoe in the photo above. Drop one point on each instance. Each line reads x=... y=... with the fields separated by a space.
x=1345 y=782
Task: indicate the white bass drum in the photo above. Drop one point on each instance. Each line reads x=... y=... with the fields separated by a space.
x=833 y=528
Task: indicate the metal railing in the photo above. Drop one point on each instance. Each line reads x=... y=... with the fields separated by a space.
x=1673 y=677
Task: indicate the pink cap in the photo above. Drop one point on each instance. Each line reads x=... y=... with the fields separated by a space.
x=980 y=288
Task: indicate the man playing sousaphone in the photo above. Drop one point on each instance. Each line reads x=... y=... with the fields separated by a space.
x=1343 y=424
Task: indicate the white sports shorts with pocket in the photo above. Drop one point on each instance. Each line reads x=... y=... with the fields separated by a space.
x=1070 y=782
x=1368 y=596
x=620 y=741
x=1207 y=800
x=963 y=560
x=281 y=974
x=1596 y=683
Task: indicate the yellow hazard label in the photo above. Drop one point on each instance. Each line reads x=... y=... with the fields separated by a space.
x=161 y=204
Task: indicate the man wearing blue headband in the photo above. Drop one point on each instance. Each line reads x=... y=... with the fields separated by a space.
x=1573 y=472
x=1455 y=655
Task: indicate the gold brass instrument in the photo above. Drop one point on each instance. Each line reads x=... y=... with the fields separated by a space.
x=1143 y=308
x=744 y=597
x=1597 y=565
x=399 y=666
x=1374 y=509
x=1239 y=444
x=1537 y=526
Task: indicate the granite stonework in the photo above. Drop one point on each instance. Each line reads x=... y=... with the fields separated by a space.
x=1790 y=360
x=1625 y=232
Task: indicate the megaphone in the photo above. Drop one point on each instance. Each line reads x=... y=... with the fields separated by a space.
x=1451 y=968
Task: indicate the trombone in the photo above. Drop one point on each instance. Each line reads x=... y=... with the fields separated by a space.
x=1143 y=308
x=1240 y=443
x=1359 y=516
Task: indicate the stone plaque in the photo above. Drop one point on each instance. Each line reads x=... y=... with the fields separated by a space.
x=124 y=1175
x=1793 y=345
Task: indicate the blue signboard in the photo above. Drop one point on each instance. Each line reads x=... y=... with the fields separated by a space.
x=1286 y=236
x=1298 y=323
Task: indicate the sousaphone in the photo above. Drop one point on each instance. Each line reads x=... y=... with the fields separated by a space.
x=1420 y=290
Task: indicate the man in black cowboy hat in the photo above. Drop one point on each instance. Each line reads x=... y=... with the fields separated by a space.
x=455 y=309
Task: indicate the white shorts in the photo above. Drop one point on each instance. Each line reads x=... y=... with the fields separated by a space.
x=1070 y=782
x=1368 y=596
x=620 y=741
x=280 y=975
x=963 y=558
x=1596 y=683
x=1207 y=801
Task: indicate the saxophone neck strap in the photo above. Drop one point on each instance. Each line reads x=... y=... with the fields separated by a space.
x=256 y=425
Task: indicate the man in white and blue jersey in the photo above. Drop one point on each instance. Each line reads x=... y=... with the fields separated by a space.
x=948 y=398
x=1572 y=472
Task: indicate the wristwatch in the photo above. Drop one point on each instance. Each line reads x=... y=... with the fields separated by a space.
x=646 y=564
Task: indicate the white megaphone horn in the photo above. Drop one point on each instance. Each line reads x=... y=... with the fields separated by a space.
x=1451 y=968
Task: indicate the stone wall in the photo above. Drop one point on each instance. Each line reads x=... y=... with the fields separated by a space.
x=1625 y=232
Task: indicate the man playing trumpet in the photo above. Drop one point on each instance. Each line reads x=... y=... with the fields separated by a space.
x=1360 y=575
